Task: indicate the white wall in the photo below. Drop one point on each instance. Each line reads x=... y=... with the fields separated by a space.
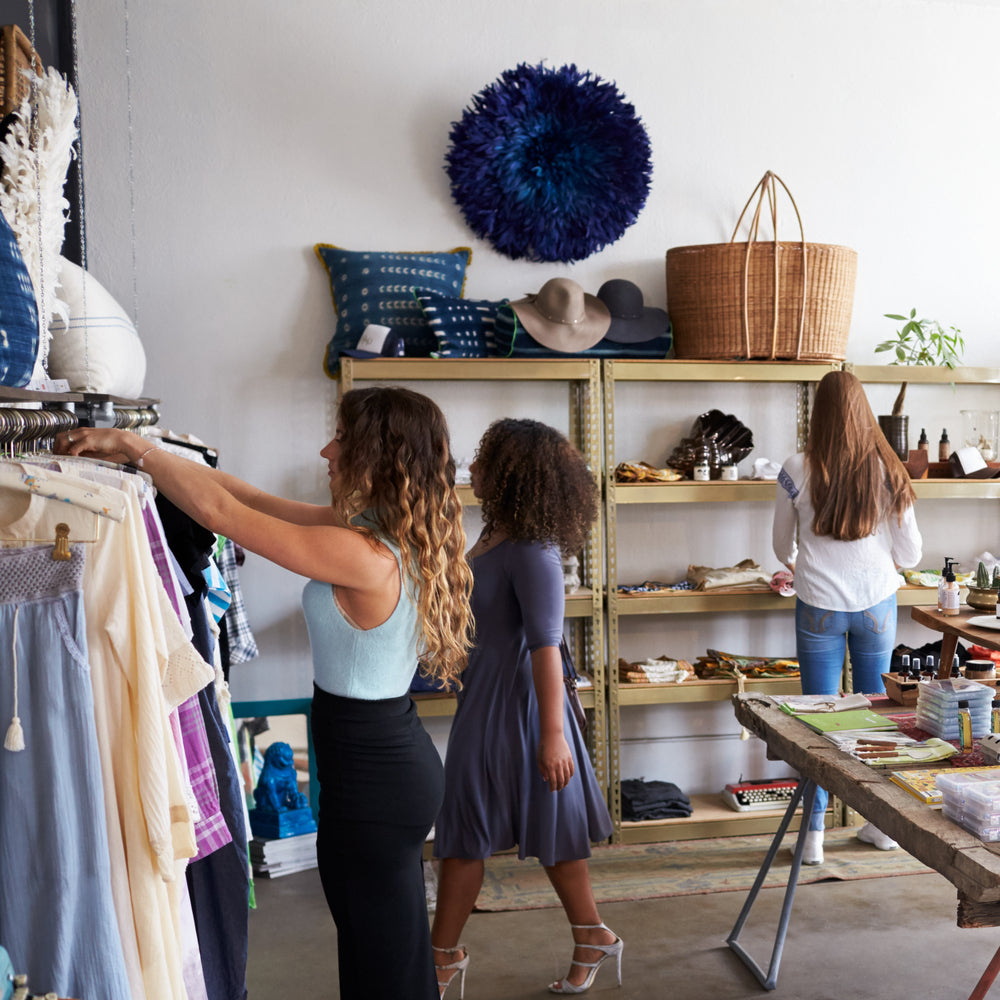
x=222 y=140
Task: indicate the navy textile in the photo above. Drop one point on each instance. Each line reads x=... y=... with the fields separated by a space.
x=377 y=287
x=513 y=341
x=463 y=327
x=18 y=313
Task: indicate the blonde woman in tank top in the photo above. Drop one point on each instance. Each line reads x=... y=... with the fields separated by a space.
x=388 y=588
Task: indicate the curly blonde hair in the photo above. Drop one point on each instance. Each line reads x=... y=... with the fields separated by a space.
x=396 y=465
x=534 y=485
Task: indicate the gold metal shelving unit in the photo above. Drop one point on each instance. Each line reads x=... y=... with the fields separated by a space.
x=921 y=375
x=585 y=381
x=709 y=818
x=582 y=378
x=937 y=489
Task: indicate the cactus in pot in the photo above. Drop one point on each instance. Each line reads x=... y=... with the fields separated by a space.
x=983 y=592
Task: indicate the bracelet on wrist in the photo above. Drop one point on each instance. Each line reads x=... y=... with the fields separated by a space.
x=138 y=462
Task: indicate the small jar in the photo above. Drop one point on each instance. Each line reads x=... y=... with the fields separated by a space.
x=980 y=670
x=730 y=473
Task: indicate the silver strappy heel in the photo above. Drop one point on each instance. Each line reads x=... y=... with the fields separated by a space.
x=613 y=950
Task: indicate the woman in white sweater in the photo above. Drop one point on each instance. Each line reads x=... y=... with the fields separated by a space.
x=849 y=501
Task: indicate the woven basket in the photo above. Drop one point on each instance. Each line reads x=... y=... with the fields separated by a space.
x=16 y=55
x=763 y=300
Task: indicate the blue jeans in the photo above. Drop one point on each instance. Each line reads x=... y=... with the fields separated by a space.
x=821 y=639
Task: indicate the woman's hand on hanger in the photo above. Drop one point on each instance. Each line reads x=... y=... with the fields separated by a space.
x=301 y=537
x=109 y=443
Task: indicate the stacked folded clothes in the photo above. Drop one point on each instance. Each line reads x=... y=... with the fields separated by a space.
x=719 y=664
x=643 y=799
x=660 y=670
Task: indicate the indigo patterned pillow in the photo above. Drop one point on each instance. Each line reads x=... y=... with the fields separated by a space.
x=463 y=327
x=513 y=341
x=18 y=313
x=377 y=287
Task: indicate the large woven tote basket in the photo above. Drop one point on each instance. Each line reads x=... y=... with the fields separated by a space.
x=761 y=300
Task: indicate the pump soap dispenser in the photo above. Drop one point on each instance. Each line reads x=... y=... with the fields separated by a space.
x=948 y=591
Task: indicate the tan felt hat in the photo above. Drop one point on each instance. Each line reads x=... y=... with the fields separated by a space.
x=563 y=317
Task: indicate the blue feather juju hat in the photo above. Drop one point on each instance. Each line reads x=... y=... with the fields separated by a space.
x=549 y=164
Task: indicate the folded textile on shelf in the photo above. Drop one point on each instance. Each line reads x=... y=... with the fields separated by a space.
x=719 y=664
x=932 y=577
x=765 y=468
x=643 y=472
x=652 y=587
x=643 y=799
x=744 y=573
x=659 y=670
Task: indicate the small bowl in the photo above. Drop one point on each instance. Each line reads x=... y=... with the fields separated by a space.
x=982 y=599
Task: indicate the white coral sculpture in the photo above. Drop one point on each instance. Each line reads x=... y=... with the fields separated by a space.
x=36 y=157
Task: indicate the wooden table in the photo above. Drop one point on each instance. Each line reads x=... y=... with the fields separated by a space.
x=953 y=628
x=972 y=866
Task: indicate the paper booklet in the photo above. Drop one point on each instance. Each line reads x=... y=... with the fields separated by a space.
x=858 y=718
x=798 y=704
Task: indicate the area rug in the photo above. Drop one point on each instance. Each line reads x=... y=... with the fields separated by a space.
x=681 y=868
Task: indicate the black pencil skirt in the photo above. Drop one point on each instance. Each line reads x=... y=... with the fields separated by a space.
x=381 y=784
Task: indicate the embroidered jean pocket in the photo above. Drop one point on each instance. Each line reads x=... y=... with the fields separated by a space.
x=815 y=620
x=873 y=624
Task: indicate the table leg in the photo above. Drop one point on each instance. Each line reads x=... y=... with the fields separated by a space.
x=949 y=643
x=806 y=792
x=984 y=984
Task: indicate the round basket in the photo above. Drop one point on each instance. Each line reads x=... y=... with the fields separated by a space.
x=764 y=300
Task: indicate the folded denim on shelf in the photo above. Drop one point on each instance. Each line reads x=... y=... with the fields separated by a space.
x=652 y=800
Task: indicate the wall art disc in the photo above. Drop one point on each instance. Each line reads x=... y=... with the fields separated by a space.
x=549 y=164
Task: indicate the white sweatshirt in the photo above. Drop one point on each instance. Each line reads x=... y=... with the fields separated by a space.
x=835 y=575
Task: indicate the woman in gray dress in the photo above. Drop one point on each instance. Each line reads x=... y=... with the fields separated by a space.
x=517 y=772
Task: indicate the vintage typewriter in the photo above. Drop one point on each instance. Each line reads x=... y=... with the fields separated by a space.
x=766 y=793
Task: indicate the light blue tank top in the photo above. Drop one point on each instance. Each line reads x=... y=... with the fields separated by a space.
x=367 y=664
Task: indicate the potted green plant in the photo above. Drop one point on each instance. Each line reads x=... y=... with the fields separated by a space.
x=918 y=342
x=983 y=593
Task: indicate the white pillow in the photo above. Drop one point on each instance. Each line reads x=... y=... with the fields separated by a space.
x=97 y=349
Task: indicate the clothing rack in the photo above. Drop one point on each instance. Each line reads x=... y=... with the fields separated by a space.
x=30 y=419
x=145 y=571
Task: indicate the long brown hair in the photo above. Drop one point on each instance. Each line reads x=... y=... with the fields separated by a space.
x=855 y=478
x=535 y=485
x=395 y=463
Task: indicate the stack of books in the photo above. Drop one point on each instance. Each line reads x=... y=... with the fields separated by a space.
x=283 y=855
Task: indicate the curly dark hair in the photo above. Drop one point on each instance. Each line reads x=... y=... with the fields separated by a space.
x=534 y=485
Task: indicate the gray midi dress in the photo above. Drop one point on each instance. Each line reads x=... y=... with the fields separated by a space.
x=495 y=798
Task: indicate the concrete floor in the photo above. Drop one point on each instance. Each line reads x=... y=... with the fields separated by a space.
x=868 y=939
